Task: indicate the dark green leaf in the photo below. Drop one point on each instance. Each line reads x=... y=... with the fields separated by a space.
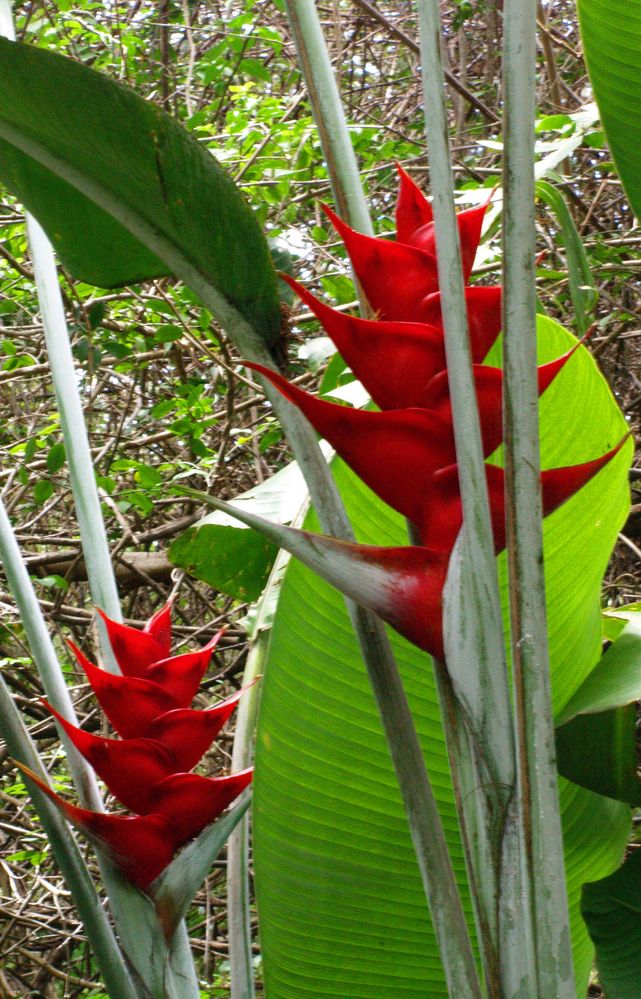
x=599 y=753
x=612 y=910
x=43 y=490
x=118 y=185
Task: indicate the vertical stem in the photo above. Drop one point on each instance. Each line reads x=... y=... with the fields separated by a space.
x=475 y=696
x=44 y=656
x=328 y=114
x=81 y=470
x=537 y=770
x=238 y=889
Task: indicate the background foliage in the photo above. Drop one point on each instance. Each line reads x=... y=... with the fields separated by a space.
x=164 y=394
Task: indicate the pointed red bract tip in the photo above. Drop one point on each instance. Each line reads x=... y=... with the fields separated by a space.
x=483 y=316
x=413 y=210
x=188 y=733
x=394 y=276
x=488 y=382
x=130 y=703
x=139 y=846
x=192 y=802
x=470 y=224
x=180 y=676
x=159 y=625
x=134 y=649
x=395 y=361
x=130 y=768
x=395 y=452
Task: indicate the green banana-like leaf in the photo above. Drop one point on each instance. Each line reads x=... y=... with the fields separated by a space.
x=342 y=909
x=611 y=34
x=612 y=911
x=124 y=192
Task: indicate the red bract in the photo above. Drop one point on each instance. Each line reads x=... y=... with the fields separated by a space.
x=405 y=453
x=147 y=769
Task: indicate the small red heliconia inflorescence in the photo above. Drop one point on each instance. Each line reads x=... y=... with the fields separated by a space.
x=162 y=739
x=405 y=453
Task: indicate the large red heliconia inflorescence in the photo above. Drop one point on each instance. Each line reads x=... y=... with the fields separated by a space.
x=405 y=453
x=161 y=739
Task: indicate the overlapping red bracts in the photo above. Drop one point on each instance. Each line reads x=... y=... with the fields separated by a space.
x=405 y=453
x=162 y=739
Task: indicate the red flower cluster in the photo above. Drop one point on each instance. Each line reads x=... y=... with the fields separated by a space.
x=162 y=739
x=405 y=453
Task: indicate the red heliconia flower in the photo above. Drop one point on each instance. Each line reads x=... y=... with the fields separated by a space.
x=162 y=739
x=405 y=452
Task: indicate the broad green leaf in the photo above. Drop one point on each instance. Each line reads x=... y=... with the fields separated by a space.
x=612 y=910
x=124 y=192
x=342 y=909
x=611 y=34
x=601 y=715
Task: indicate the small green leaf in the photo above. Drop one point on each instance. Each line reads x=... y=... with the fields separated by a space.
x=56 y=458
x=610 y=767
x=42 y=491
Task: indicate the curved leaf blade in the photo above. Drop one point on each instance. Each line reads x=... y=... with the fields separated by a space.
x=611 y=34
x=123 y=191
x=612 y=911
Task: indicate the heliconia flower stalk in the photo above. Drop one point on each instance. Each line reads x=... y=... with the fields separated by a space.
x=162 y=739
x=405 y=452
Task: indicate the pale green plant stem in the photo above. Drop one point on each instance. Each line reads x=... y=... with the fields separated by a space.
x=44 y=657
x=532 y=691
x=81 y=470
x=477 y=706
x=329 y=115
x=238 y=889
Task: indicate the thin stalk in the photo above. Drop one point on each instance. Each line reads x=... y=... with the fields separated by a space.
x=44 y=657
x=238 y=889
x=475 y=695
x=110 y=960
x=100 y=573
x=532 y=691
x=329 y=115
